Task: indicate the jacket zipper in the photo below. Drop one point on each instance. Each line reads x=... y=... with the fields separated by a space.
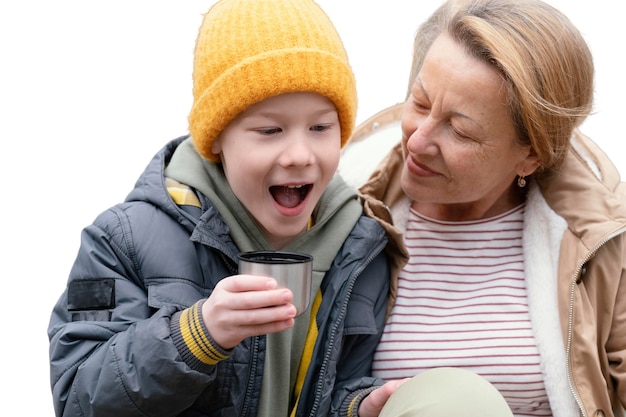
x=570 y=324
x=344 y=305
x=251 y=376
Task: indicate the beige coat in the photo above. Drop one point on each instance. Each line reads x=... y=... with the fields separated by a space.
x=575 y=260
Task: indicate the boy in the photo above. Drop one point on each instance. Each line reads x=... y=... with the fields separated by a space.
x=155 y=319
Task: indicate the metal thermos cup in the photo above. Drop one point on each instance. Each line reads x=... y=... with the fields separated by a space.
x=291 y=270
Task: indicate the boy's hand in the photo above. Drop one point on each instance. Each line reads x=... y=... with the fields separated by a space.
x=246 y=305
x=372 y=405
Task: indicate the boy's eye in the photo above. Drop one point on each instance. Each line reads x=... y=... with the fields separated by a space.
x=320 y=128
x=269 y=131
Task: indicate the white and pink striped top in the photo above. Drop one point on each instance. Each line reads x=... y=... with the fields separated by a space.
x=462 y=302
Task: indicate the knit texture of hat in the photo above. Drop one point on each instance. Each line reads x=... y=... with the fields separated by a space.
x=250 y=50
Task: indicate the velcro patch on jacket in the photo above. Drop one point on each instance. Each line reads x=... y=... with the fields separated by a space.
x=91 y=294
x=93 y=315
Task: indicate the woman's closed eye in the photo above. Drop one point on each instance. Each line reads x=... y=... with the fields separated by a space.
x=460 y=134
x=420 y=108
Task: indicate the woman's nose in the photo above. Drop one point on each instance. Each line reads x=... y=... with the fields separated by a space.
x=421 y=136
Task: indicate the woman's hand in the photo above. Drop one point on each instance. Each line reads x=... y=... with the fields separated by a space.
x=372 y=405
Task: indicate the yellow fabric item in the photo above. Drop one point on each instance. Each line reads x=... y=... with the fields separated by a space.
x=196 y=339
x=352 y=408
x=181 y=194
x=250 y=50
x=307 y=353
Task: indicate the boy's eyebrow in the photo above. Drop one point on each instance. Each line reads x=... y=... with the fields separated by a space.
x=267 y=113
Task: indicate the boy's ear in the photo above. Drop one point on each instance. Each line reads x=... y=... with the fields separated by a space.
x=216 y=146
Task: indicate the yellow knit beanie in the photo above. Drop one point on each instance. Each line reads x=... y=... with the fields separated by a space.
x=250 y=50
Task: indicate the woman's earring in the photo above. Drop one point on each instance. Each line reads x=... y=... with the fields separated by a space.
x=521 y=182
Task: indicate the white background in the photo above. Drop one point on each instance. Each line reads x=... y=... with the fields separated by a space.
x=90 y=90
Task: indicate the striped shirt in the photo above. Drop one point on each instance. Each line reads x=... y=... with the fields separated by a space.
x=462 y=302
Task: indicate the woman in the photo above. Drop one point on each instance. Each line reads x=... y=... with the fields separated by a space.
x=512 y=219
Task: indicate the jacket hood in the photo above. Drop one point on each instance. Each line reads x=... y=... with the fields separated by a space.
x=587 y=193
x=336 y=213
x=150 y=186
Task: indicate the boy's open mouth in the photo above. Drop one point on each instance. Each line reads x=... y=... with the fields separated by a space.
x=290 y=196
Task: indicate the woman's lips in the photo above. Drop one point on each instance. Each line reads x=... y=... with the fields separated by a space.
x=419 y=169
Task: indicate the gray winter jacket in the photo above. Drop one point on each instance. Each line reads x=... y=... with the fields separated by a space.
x=142 y=261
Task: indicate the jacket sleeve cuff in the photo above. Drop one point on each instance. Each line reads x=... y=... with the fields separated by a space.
x=193 y=341
x=350 y=407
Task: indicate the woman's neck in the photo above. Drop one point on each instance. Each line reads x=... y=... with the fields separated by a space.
x=475 y=210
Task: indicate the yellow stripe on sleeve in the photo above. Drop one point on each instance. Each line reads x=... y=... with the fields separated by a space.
x=196 y=340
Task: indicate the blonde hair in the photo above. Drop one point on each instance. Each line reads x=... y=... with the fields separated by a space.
x=544 y=61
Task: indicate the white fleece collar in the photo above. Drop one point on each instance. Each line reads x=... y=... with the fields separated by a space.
x=543 y=231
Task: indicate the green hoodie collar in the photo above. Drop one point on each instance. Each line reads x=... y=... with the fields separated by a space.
x=334 y=216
